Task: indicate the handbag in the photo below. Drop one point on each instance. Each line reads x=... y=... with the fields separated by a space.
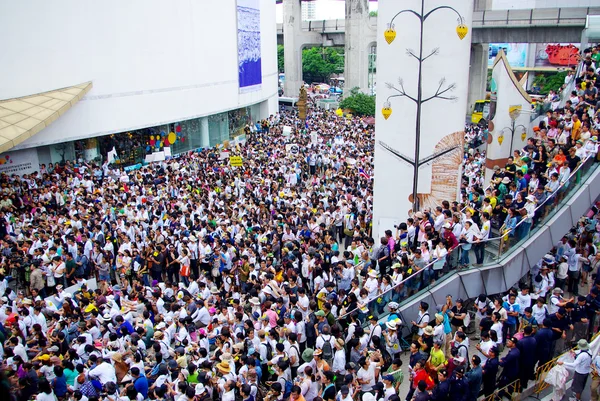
x=216 y=267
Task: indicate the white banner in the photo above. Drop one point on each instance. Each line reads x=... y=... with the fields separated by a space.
x=19 y=162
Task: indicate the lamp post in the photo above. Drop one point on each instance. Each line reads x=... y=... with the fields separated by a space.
x=514 y=112
x=390 y=35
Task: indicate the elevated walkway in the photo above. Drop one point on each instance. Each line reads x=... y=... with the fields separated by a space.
x=544 y=25
x=506 y=260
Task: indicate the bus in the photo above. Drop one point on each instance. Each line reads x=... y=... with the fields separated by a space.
x=287 y=103
x=481 y=111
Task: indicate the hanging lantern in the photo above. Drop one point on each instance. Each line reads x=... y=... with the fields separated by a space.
x=389 y=34
x=387 y=110
x=523 y=135
x=461 y=31
x=501 y=139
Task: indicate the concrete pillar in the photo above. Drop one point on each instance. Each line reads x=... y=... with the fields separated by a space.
x=477 y=74
x=204 y=135
x=357 y=47
x=292 y=44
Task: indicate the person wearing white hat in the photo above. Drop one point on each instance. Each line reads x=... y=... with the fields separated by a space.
x=371 y=284
x=390 y=335
x=529 y=207
x=582 y=365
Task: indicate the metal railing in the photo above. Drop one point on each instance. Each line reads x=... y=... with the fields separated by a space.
x=571 y=16
x=507 y=241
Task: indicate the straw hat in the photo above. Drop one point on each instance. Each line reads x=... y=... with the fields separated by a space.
x=117 y=357
x=254 y=301
x=428 y=330
x=391 y=325
x=224 y=367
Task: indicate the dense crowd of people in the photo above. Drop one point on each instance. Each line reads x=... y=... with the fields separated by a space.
x=192 y=279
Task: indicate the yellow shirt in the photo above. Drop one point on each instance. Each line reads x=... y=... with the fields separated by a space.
x=576 y=130
x=437 y=357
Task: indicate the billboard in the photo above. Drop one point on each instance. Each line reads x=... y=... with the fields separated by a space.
x=249 y=49
x=19 y=162
x=516 y=53
x=556 y=54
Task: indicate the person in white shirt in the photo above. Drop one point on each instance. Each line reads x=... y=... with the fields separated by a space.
x=539 y=310
x=581 y=365
x=339 y=358
x=104 y=372
x=524 y=299
x=485 y=346
x=389 y=390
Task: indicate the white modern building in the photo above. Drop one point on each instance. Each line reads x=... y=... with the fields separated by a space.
x=141 y=68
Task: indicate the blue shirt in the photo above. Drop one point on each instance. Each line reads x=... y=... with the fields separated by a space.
x=511 y=308
x=141 y=385
x=128 y=326
x=60 y=385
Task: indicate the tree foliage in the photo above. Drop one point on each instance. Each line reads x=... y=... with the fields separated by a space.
x=548 y=82
x=359 y=103
x=319 y=63
x=280 y=65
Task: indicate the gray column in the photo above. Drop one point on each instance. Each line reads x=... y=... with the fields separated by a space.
x=292 y=43
x=357 y=45
x=204 y=136
x=478 y=74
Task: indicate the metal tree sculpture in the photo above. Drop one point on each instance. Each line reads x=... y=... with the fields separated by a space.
x=442 y=91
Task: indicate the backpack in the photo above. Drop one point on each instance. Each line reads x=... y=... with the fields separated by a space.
x=269 y=351
x=288 y=389
x=261 y=390
x=467 y=361
x=327 y=349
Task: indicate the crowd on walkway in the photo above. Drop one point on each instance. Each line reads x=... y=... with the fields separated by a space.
x=265 y=282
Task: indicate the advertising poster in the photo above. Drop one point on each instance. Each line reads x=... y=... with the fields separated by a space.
x=516 y=53
x=19 y=162
x=556 y=54
x=249 y=55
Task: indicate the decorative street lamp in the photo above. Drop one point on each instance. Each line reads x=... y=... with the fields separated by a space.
x=514 y=112
x=441 y=92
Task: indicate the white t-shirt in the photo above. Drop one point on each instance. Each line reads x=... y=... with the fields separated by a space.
x=485 y=347
x=423 y=318
x=367 y=375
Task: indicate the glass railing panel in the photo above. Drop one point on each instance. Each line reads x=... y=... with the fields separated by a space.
x=492 y=251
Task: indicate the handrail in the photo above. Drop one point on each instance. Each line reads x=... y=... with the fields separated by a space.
x=500 y=238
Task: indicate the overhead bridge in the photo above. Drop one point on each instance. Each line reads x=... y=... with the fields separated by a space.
x=545 y=25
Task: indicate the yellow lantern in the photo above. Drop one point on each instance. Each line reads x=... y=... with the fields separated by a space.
x=389 y=34
x=523 y=135
x=387 y=110
x=339 y=112
x=501 y=139
x=461 y=31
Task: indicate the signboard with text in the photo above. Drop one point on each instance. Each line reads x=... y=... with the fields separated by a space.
x=19 y=162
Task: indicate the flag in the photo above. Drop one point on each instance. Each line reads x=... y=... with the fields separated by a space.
x=362 y=173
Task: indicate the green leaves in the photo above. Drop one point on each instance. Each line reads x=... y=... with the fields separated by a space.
x=280 y=64
x=319 y=63
x=359 y=103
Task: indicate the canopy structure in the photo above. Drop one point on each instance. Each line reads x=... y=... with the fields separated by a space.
x=23 y=117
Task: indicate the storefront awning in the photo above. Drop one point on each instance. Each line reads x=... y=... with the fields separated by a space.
x=23 y=117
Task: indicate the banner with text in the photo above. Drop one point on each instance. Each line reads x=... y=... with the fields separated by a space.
x=19 y=162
